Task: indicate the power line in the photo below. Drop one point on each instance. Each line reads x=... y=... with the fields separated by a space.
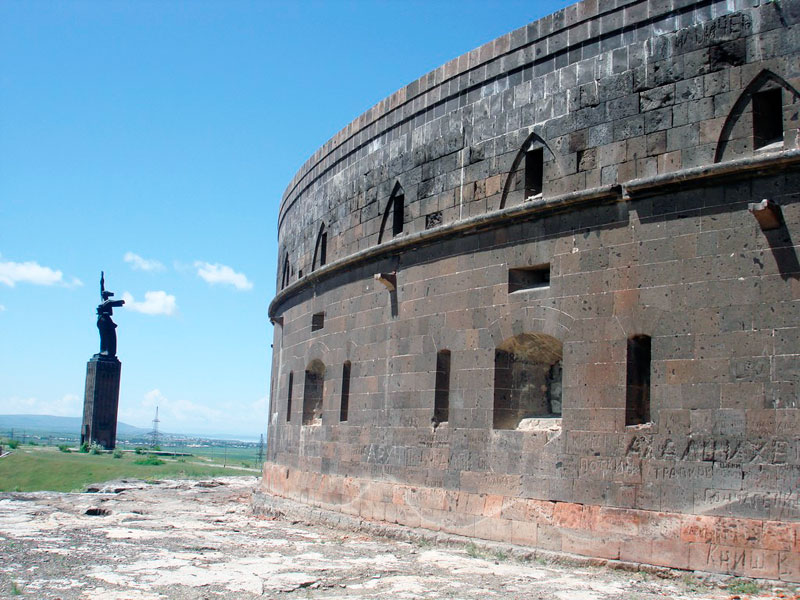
x=261 y=450
x=154 y=435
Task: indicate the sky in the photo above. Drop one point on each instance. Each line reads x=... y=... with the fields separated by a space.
x=153 y=140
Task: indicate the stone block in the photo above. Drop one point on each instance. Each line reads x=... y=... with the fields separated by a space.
x=586 y=544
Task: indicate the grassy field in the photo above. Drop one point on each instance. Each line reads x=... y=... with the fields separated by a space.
x=238 y=457
x=35 y=468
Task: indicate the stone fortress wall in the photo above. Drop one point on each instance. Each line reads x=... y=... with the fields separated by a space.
x=547 y=294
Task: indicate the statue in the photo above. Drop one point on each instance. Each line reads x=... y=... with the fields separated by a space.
x=101 y=398
x=108 y=337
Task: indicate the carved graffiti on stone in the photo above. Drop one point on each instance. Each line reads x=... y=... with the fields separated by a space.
x=611 y=468
x=722 y=29
x=731 y=452
x=780 y=505
x=725 y=28
x=673 y=472
x=382 y=455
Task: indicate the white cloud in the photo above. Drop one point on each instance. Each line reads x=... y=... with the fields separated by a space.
x=153 y=397
x=216 y=273
x=155 y=303
x=12 y=273
x=142 y=264
x=2 y=308
x=69 y=405
x=180 y=411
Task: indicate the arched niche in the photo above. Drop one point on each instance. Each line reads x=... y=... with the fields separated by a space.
x=320 y=249
x=529 y=172
x=395 y=209
x=755 y=122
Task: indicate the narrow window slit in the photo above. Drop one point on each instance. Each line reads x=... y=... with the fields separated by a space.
x=289 y=398
x=345 y=401
x=441 y=402
x=637 y=390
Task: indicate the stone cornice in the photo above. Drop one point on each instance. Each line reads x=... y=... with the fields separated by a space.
x=632 y=190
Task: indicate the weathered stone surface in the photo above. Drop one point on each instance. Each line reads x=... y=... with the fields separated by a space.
x=101 y=401
x=618 y=153
x=182 y=540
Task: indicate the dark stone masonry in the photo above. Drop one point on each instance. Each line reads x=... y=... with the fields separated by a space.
x=548 y=293
x=101 y=401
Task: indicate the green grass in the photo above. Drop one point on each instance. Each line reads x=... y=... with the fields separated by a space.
x=46 y=468
x=233 y=455
x=473 y=551
x=743 y=586
x=150 y=460
x=693 y=584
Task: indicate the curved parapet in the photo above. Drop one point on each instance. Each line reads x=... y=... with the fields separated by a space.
x=546 y=294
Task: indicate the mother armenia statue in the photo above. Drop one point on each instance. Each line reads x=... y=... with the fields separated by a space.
x=108 y=335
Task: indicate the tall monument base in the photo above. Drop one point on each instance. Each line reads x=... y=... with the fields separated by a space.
x=101 y=401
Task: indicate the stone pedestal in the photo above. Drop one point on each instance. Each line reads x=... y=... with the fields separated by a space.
x=101 y=401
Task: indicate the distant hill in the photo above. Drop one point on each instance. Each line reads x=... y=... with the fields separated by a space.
x=50 y=424
x=72 y=425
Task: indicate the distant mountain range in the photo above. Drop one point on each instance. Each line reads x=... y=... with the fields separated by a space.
x=72 y=425
x=51 y=424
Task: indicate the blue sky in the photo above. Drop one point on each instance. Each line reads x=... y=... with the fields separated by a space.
x=153 y=140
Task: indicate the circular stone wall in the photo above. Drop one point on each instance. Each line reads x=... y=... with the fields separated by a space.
x=615 y=185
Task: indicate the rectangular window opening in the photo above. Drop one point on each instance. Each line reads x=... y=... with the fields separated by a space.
x=534 y=172
x=528 y=374
x=317 y=321
x=323 y=249
x=345 y=403
x=637 y=390
x=767 y=118
x=528 y=278
x=289 y=398
x=398 y=214
x=313 y=393
x=441 y=402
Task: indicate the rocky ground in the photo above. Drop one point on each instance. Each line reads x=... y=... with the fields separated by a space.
x=200 y=540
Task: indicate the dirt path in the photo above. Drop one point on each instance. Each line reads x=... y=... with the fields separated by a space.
x=177 y=540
